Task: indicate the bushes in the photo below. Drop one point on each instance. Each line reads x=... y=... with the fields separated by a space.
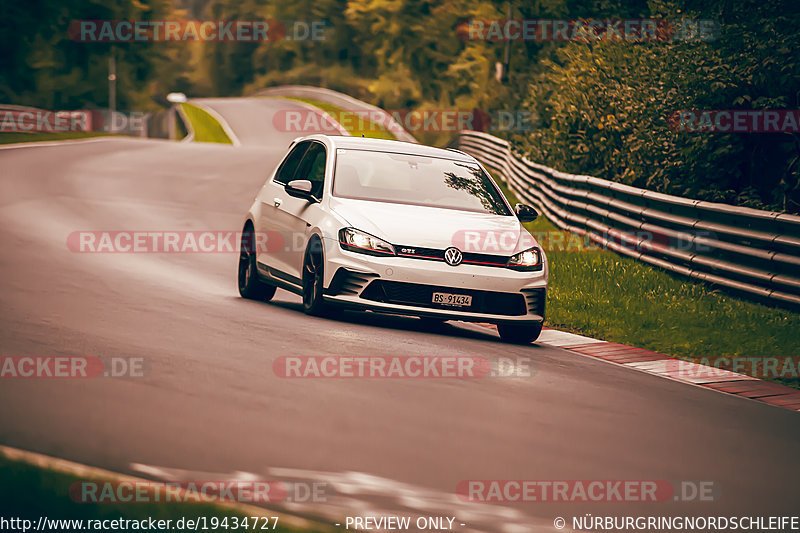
x=604 y=109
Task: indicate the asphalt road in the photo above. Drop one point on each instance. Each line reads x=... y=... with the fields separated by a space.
x=211 y=405
x=268 y=122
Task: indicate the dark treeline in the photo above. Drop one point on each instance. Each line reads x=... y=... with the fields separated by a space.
x=602 y=106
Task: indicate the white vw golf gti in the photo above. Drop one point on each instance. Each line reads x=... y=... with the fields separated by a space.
x=394 y=227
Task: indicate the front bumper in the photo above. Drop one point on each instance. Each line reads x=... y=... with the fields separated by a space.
x=349 y=275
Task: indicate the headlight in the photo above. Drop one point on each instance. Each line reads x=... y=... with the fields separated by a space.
x=357 y=241
x=529 y=259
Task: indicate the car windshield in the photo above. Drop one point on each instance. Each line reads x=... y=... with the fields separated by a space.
x=417 y=180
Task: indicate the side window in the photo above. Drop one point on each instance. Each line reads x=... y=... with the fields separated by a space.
x=287 y=170
x=312 y=168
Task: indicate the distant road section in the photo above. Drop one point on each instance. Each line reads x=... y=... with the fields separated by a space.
x=342 y=101
x=259 y=121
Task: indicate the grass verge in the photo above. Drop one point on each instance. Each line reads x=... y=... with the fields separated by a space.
x=354 y=124
x=615 y=298
x=23 y=137
x=206 y=128
x=30 y=492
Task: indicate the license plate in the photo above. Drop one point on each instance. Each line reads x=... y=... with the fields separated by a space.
x=457 y=300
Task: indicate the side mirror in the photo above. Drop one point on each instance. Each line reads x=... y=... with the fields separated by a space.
x=525 y=213
x=300 y=189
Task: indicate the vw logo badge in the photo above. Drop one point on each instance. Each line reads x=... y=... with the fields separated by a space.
x=452 y=256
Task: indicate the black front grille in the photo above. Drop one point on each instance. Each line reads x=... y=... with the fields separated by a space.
x=472 y=258
x=416 y=252
x=416 y=294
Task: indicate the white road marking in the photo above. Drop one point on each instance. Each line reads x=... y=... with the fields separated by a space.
x=66 y=142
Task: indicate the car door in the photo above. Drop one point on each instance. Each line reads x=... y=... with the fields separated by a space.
x=272 y=221
x=297 y=214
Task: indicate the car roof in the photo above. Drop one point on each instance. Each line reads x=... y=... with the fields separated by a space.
x=386 y=145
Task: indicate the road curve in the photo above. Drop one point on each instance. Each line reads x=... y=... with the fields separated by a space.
x=262 y=121
x=210 y=402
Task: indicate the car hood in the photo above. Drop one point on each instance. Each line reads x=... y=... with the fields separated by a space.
x=433 y=227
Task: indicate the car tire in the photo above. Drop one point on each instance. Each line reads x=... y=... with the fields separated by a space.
x=250 y=285
x=313 y=279
x=519 y=333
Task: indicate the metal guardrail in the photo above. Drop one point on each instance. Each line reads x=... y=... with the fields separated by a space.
x=744 y=249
